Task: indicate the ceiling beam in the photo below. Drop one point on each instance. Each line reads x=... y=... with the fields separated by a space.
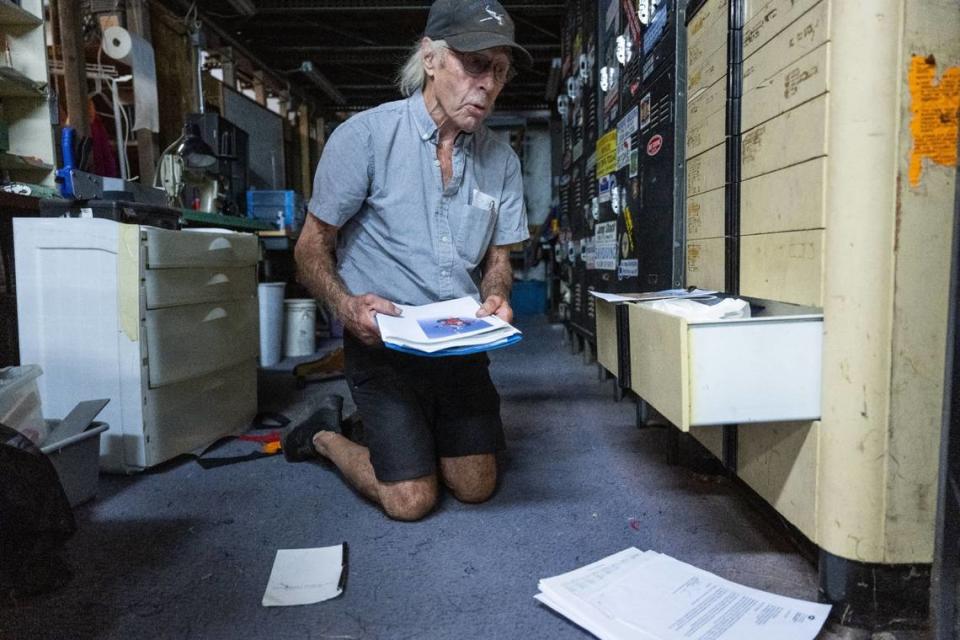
x=538 y=86
x=274 y=6
x=213 y=25
x=502 y=106
x=381 y=49
x=364 y=58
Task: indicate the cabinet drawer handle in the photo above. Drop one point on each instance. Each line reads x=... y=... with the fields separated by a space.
x=219 y=244
x=216 y=314
x=219 y=278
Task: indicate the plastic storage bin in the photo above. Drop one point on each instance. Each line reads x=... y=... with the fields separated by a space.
x=77 y=461
x=282 y=208
x=20 y=405
x=529 y=297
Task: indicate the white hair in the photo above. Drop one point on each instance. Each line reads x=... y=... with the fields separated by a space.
x=412 y=76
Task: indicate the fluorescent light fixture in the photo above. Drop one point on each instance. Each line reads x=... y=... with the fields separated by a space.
x=553 y=80
x=244 y=7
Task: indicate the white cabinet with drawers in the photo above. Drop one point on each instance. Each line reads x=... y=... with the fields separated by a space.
x=163 y=323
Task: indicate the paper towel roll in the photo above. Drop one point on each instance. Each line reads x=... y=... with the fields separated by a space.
x=120 y=44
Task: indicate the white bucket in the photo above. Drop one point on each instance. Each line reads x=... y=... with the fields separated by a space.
x=270 y=298
x=299 y=327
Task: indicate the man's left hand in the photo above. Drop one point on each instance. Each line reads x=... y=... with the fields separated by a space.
x=496 y=306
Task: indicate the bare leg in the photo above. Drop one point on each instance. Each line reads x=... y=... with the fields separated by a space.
x=470 y=478
x=404 y=500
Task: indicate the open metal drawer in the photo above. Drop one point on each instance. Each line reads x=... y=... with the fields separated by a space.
x=762 y=369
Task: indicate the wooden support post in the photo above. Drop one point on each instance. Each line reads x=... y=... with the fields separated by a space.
x=74 y=66
x=138 y=21
x=321 y=136
x=228 y=64
x=259 y=88
x=303 y=121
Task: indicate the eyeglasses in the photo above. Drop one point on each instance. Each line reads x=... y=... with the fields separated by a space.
x=477 y=64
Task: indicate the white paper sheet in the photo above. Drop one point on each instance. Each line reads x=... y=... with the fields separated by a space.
x=442 y=325
x=305 y=576
x=636 y=594
x=674 y=294
x=726 y=309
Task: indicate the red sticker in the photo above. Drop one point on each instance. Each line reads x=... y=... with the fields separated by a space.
x=654 y=145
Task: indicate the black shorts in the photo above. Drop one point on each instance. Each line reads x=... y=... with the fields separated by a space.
x=416 y=409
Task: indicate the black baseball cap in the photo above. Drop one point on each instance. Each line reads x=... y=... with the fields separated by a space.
x=473 y=25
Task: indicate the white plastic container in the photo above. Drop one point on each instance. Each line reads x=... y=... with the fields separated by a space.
x=76 y=461
x=20 y=406
x=270 y=297
x=299 y=327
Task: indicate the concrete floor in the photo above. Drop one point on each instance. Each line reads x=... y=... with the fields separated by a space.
x=183 y=552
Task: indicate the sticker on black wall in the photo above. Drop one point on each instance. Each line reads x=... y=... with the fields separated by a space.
x=654 y=145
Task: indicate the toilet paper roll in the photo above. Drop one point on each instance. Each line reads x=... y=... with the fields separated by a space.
x=120 y=44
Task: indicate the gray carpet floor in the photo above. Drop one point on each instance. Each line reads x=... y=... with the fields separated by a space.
x=183 y=552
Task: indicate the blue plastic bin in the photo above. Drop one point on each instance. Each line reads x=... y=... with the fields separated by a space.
x=282 y=208
x=529 y=297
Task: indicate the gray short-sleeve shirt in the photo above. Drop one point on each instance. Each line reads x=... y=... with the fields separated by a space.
x=403 y=236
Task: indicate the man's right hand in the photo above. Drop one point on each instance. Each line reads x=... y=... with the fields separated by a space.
x=358 y=312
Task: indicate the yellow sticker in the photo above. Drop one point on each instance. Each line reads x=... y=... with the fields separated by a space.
x=128 y=280
x=933 y=108
x=628 y=222
x=607 y=153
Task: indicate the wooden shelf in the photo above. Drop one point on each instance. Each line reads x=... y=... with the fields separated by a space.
x=14 y=162
x=13 y=15
x=16 y=85
x=204 y=218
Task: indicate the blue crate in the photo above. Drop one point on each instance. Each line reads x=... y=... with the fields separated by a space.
x=529 y=297
x=282 y=208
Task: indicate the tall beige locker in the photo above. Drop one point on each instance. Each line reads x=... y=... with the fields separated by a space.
x=847 y=159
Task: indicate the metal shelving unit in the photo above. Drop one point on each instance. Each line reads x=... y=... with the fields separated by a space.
x=24 y=96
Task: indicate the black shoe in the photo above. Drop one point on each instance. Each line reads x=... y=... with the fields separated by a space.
x=296 y=442
x=352 y=429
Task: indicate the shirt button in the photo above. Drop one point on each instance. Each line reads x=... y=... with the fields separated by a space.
x=444 y=239
x=444 y=273
x=436 y=163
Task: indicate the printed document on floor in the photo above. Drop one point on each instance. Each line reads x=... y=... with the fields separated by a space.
x=306 y=576
x=650 y=596
x=445 y=328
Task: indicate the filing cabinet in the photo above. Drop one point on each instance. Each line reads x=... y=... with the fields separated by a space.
x=764 y=21
x=760 y=369
x=163 y=323
x=793 y=137
x=784 y=266
x=705 y=215
x=706 y=264
x=786 y=200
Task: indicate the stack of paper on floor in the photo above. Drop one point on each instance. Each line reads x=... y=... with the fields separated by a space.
x=445 y=328
x=648 y=595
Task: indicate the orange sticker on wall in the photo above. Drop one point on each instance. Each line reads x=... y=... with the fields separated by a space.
x=933 y=107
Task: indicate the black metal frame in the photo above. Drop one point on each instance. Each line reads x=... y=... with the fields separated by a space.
x=732 y=187
x=944 y=588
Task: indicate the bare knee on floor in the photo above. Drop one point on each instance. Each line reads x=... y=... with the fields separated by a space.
x=470 y=478
x=409 y=499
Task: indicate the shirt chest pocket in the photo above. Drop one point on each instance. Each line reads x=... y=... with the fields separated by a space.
x=476 y=229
